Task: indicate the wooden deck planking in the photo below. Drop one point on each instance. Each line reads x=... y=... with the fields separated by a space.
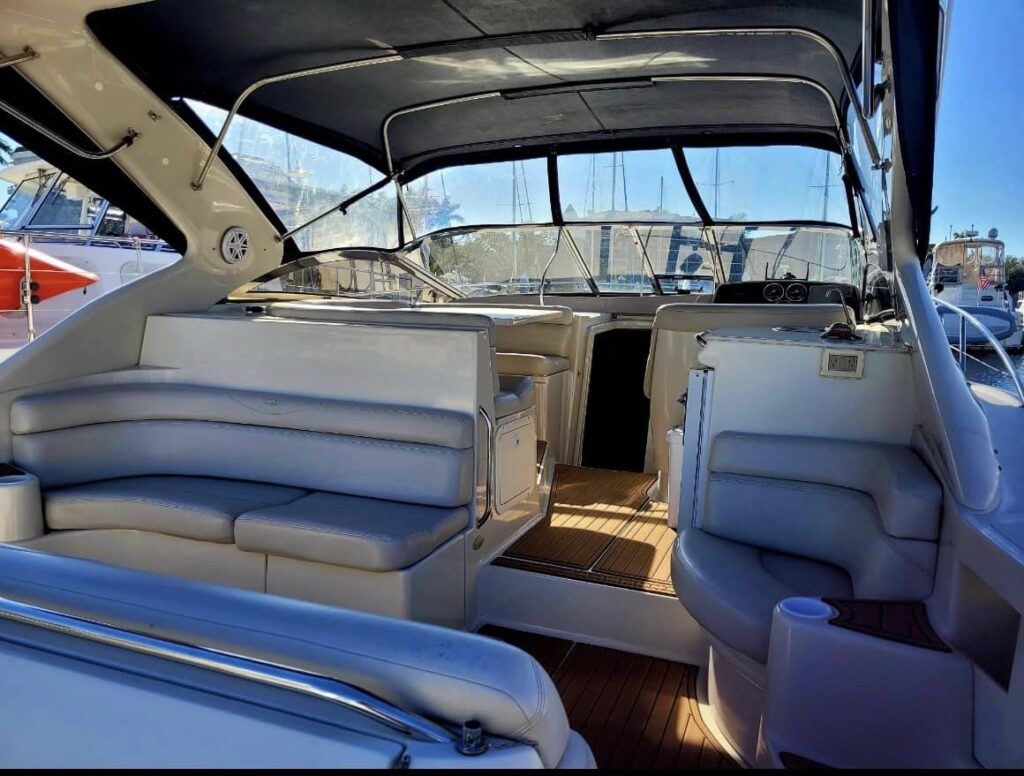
x=635 y=711
x=600 y=528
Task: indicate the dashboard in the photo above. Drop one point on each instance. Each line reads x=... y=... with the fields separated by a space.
x=788 y=292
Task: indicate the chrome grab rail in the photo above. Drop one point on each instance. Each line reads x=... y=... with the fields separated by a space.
x=997 y=346
x=43 y=235
x=260 y=671
x=489 y=478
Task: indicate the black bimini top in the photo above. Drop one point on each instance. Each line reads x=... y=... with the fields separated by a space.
x=552 y=74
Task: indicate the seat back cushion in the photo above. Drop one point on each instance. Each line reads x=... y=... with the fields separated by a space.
x=907 y=496
x=839 y=526
x=380 y=451
x=674 y=351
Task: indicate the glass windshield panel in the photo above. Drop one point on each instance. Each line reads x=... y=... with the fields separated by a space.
x=492 y=262
x=69 y=203
x=334 y=275
x=682 y=259
x=613 y=257
x=623 y=186
x=770 y=183
x=802 y=253
x=22 y=199
x=480 y=194
x=301 y=179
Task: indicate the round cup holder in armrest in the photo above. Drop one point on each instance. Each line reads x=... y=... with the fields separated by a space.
x=21 y=504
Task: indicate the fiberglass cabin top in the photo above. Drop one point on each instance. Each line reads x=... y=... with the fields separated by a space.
x=543 y=384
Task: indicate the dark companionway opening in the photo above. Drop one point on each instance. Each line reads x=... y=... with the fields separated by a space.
x=618 y=413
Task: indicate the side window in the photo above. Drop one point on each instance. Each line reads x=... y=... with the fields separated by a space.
x=69 y=203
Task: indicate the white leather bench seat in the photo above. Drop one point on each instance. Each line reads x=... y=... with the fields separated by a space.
x=350 y=531
x=365 y=486
x=202 y=508
x=732 y=588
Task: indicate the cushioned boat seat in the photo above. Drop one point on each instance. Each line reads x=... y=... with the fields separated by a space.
x=201 y=508
x=531 y=364
x=788 y=515
x=515 y=394
x=362 y=533
x=732 y=588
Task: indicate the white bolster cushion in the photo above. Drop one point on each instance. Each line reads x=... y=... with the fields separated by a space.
x=835 y=525
x=421 y=474
x=907 y=495
x=437 y=672
x=162 y=401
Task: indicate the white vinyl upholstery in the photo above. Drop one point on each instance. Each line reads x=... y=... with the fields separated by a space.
x=515 y=394
x=674 y=350
x=173 y=401
x=731 y=589
x=907 y=496
x=201 y=508
x=349 y=531
x=531 y=364
x=371 y=487
x=246 y=443
x=442 y=674
x=834 y=525
x=787 y=516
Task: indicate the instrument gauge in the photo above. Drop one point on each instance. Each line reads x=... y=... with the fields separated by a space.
x=796 y=293
x=773 y=292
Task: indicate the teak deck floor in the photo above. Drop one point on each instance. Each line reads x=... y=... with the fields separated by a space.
x=634 y=711
x=600 y=527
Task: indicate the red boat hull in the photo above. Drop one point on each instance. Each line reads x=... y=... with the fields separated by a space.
x=50 y=277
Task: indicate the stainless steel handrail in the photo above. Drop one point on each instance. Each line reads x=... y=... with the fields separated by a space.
x=997 y=346
x=263 y=672
x=128 y=242
x=489 y=476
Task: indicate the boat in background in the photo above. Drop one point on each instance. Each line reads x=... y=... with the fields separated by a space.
x=93 y=243
x=970 y=272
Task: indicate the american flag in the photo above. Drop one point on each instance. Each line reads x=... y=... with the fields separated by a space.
x=983 y=281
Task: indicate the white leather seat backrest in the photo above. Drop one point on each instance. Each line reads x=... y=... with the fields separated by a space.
x=378 y=451
x=820 y=522
x=674 y=351
x=908 y=497
x=870 y=509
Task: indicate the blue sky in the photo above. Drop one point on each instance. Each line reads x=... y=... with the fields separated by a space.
x=979 y=156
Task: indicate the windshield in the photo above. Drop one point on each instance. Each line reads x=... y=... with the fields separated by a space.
x=22 y=199
x=804 y=253
x=490 y=262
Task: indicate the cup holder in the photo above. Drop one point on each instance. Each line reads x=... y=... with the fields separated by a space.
x=807 y=608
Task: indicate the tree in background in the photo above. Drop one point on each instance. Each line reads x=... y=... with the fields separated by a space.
x=7 y=147
x=1014 y=274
